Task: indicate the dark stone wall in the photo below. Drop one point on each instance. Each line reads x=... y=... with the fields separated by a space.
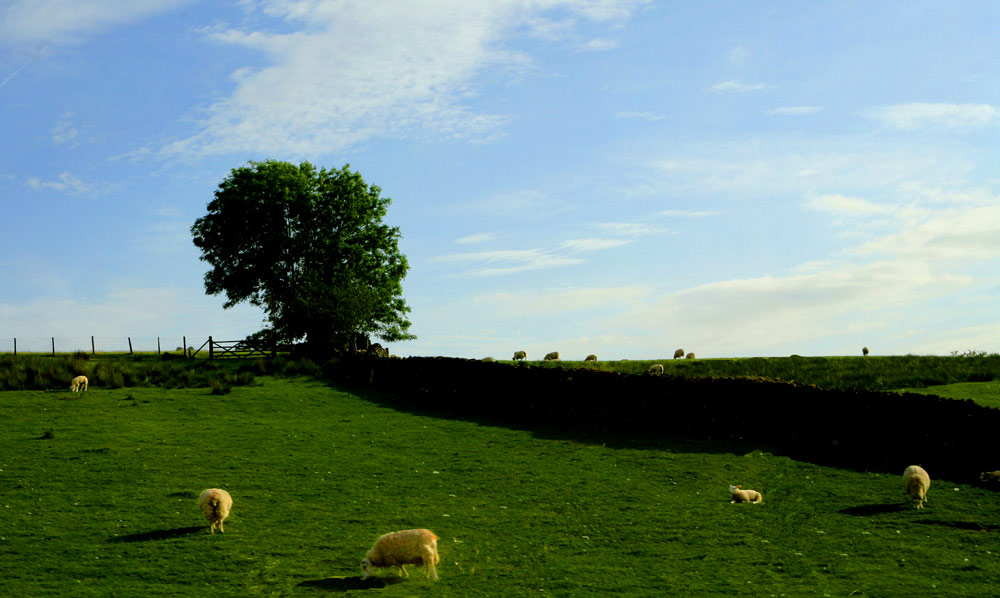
x=858 y=429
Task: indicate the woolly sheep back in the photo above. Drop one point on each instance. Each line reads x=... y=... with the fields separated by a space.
x=520 y=355
x=79 y=383
x=916 y=481
x=553 y=356
x=678 y=353
x=398 y=549
x=215 y=503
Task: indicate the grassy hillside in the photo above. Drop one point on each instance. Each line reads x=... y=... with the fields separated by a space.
x=873 y=373
x=98 y=495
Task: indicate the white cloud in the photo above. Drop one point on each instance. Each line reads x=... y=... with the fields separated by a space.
x=796 y=110
x=600 y=45
x=647 y=116
x=950 y=116
x=68 y=21
x=511 y=261
x=66 y=183
x=476 y=238
x=842 y=205
x=581 y=245
x=354 y=71
x=738 y=87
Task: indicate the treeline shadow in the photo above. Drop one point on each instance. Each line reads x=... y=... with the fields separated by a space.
x=855 y=429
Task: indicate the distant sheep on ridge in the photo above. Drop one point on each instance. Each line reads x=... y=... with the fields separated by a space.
x=520 y=355
x=678 y=353
x=591 y=357
x=553 y=356
x=655 y=370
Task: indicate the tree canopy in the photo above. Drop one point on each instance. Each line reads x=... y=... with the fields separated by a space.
x=309 y=247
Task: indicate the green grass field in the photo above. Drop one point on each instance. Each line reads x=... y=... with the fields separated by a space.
x=98 y=489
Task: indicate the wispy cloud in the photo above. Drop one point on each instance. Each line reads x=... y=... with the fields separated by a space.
x=66 y=182
x=352 y=71
x=476 y=238
x=69 y=21
x=513 y=261
x=795 y=110
x=739 y=87
x=912 y=116
x=647 y=116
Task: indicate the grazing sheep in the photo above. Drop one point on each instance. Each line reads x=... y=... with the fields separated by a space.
x=678 y=353
x=916 y=481
x=655 y=370
x=488 y=359
x=215 y=503
x=864 y=351
x=750 y=496
x=520 y=355
x=689 y=356
x=398 y=549
x=591 y=357
x=79 y=383
x=990 y=477
x=553 y=356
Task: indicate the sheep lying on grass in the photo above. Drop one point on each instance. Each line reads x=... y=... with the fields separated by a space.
x=740 y=495
x=79 y=383
x=689 y=356
x=591 y=357
x=655 y=370
x=553 y=356
x=215 y=503
x=398 y=549
x=916 y=481
x=520 y=355
x=678 y=353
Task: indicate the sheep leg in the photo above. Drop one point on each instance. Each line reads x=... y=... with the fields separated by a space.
x=402 y=571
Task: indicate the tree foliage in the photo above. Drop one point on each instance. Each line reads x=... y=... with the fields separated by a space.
x=310 y=248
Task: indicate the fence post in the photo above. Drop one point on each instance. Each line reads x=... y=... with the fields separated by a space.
x=15 y=346
x=93 y=348
x=129 y=345
x=157 y=345
x=53 y=346
x=185 y=347
x=211 y=345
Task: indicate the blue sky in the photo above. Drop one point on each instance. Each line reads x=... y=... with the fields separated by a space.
x=619 y=177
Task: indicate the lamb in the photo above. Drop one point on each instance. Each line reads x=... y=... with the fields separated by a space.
x=864 y=351
x=410 y=547
x=678 y=353
x=750 y=496
x=520 y=355
x=591 y=357
x=655 y=370
x=916 y=481
x=689 y=356
x=215 y=503
x=79 y=383
x=553 y=356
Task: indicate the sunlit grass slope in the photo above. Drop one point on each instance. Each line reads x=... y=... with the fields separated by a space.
x=98 y=489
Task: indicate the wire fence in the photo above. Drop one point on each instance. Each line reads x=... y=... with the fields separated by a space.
x=92 y=344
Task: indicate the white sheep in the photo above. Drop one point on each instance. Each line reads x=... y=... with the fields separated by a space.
x=655 y=370
x=916 y=481
x=215 y=503
x=678 y=353
x=689 y=356
x=520 y=355
x=79 y=383
x=864 y=351
x=553 y=356
x=591 y=357
x=398 y=549
x=750 y=496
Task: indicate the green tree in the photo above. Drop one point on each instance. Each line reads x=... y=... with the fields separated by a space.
x=310 y=248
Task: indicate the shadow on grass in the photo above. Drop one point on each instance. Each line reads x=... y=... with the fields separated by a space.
x=160 y=534
x=346 y=584
x=966 y=525
x=869 y=510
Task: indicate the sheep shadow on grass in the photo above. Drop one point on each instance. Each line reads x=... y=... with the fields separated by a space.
x=966 y=525
x=347 y=584
x=160 y=534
